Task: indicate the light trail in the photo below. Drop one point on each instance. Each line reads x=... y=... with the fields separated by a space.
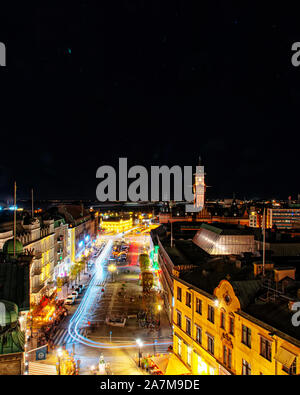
x=89 y=298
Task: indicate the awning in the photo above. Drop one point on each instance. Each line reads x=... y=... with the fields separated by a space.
x=170 y=365
x=285 y=357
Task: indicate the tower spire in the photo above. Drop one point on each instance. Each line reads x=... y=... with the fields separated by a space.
x=200 y=161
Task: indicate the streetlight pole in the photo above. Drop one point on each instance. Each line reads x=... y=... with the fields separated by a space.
x=140 y=345
x=59 y=354
x=159 y=309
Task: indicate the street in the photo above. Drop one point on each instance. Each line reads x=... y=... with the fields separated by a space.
x=114 y=295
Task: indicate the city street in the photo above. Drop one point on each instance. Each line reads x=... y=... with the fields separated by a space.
x=117 y=294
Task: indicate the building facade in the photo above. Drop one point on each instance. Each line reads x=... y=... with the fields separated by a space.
x=214 y=336
x=283 y=218
x=117 y=225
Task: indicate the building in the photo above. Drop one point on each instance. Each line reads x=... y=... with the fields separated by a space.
x=199 y=187
x=283 y=218
x=61 y=256
x=14 y=305
x=82 y=229
x=117 y=224
x=183 y=255
x=212 y=212
x=225 y=326
x=279 y=243
x=36 y=237
x=255 y=217
x=221 y=239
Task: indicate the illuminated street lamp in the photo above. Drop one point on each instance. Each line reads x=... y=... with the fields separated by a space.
x=159 y=310
x=59 y=355
x=140 y=345
x=112 y=268
x=93 y=370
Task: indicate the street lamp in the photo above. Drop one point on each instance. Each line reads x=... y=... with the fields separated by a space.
x=93 y=370
x=59 y=355
x=112 y=268
x=159 y=310
x=140 y=345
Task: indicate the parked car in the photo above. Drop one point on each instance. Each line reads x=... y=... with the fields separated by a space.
x=75 y=294
x=70 y=300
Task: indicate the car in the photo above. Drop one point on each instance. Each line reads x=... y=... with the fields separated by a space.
x=70 y=299
x=75 y=294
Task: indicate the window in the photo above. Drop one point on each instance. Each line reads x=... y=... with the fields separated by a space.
x=246 y=336
x=210 y=344
x=246 y=370
x=188 y=326
x=189 y=355
x=227 y=356
x=231 y=325
x=229 y=363
x=198 y=306
x=179 y=346
x=179 y=319
x=222 y=324
x=179 y=294
x=198 y=335
x=211 y=314
x=265 y=348
x=188 y=298
x=292 y=369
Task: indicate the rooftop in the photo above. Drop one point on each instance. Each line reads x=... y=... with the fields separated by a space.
x=227 y=229
x=276 y=314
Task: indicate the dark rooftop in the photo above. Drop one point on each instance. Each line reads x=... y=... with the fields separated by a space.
x=228 y=229
x=275 y=314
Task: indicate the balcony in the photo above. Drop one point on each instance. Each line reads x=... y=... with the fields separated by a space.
x=38 y=255
x=36 y=271
x=37 y=288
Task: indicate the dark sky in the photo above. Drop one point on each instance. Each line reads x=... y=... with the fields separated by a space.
x=159 y=82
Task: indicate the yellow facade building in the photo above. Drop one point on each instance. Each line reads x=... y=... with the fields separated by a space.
x=116 y=225
x=213 y=335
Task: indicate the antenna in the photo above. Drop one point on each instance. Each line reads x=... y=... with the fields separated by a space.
x=264 y=241
x=15 y=214
x=32 y=203
x=171 y=206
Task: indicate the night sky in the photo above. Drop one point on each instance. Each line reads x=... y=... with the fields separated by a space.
x=159 y=82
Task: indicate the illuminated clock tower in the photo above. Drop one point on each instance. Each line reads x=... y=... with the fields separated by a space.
x=199 y=186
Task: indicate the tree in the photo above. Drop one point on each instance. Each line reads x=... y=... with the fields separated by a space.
x=147 y=281
x=144 y=262
x=74 y=271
